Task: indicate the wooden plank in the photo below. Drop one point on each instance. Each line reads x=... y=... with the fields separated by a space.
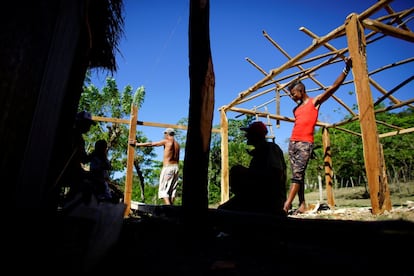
x=370 y=140
x=141 y=123
x=340 y=53
x=224 y=156
x=380 y=110
x=274 y=72
x=200 y=114
x=384 y=195
x=398 y=19
x=388 y=30
x=272 y=116
x=374 y=83
x=373 y=9
x=130 y=160
x=327 y=160
x=397 y=132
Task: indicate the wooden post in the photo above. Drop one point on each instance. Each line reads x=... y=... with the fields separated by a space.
x=130 y=160
x=370 y=140
x=384 y=195
x=327 y=160
x=200 y=115
x=277 y=106
x=224 y=129
x=320 y=188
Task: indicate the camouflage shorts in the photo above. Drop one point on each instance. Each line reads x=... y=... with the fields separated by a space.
x=299 y=155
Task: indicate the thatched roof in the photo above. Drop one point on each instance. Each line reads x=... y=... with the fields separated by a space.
x=105 y=23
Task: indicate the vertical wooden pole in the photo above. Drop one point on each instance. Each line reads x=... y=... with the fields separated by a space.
x=130 y=160
x=370 y=140
x=200 y=115
x=224 y=130
x=384 y=195
x=327 y=160
x=277 y=106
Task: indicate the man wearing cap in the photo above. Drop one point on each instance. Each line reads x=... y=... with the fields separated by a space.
x=73 y=175
x=262 y=186
x=169 y=173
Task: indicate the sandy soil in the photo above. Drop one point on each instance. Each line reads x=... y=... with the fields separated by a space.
x=359 y=213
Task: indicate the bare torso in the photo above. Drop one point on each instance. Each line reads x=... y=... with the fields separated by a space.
x=171 y=149
x=171 y=152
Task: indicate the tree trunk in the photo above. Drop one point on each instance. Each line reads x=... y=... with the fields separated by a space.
x=201 y=107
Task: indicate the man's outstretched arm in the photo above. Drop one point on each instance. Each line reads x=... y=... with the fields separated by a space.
x=332 y=89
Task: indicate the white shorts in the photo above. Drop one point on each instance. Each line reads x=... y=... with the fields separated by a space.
x=168 y=181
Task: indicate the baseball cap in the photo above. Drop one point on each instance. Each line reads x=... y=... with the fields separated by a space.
x=169 y=131
x=257 y=127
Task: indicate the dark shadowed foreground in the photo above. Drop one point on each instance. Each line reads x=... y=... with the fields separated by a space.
x=250 y=244
x=160 y=240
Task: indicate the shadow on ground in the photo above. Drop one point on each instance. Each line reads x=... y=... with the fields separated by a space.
x=228 y=243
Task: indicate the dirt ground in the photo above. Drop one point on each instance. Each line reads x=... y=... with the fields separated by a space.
x=354 y=204
x=360 y=213
x=232 y=243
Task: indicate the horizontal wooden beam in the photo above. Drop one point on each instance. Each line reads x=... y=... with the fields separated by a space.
x=141 y=123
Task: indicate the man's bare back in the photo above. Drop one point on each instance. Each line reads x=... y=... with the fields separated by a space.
x=169 y=173
x=171 y=152
x=171 y=148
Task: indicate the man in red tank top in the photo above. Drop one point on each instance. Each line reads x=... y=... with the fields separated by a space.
x=301 y=140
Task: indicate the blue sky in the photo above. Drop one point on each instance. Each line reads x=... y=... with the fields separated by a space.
x=154 y=54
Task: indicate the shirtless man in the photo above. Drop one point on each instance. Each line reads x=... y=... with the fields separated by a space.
x=169 y=173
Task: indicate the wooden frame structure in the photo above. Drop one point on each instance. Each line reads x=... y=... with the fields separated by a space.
x=133 y=122
x=359 y=30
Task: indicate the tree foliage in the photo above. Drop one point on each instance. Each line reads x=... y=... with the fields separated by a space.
x=347 y=149
x=238 y=154
x=111 y=102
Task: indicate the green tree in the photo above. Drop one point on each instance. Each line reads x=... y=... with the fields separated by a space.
x=347 y=149
x=238 y=154
x=112 y=103
x=398 y=149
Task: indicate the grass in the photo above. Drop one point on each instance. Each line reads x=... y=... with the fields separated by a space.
x=400 y=195
x=355 y=204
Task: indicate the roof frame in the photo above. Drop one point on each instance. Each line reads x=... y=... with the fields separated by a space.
x=394 y=25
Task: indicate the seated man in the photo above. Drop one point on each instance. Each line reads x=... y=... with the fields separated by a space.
x=74 y=176
x=99 y=168
x=262 y=186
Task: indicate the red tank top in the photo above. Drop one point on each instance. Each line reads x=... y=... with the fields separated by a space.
x=305 y=120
